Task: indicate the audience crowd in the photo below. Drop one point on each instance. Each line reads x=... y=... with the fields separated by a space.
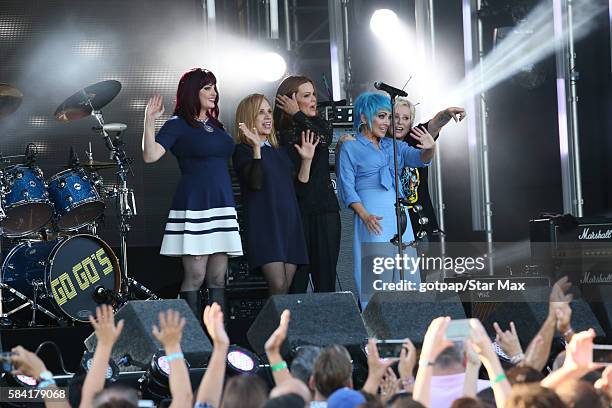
x=441 y=374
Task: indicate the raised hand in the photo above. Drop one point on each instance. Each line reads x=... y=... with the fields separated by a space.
x=563 y=312
x=107 y=332
x=559 y=296
x=426 y=140
x=435 y=340
x=276 y=339
x=309 y=143
x=480 y=341
x=508 y=340
x=407 y=360
x=388 y=385
x=155 y=107
x=213 y=320
x=252 y=135
x=170 y=329
x=377 y=367
x=458 y=114
x=288 y=105
x=579 y=353
x=27 y=363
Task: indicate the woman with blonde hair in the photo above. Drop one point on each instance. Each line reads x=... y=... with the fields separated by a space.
x=275 y=237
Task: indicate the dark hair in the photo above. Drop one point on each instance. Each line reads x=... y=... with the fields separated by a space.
x=288 y=87
x=523 y=374
x=116 y=396
x=403 y=400
x=244 y=390
x=579 y=394
x=467 y=402
x=286 y=401
x=188 y=97
x=533 y=396
x=302 y=364
x=332 y=370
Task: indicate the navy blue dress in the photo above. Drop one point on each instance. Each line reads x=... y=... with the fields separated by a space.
x=273 y=223
x=202 y=219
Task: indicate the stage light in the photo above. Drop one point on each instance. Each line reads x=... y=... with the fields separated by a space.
x=154 y=382
x=384 y=23
x=270 y=66
x=112 y=371
x=241 y=361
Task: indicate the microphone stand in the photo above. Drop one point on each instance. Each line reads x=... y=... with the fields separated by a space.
x=397 y=240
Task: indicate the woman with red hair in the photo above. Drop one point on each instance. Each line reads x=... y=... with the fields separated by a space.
x=202 y=226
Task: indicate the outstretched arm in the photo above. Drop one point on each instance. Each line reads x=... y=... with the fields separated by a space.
x=211 y=387
x=107 y=334
x=169 y=334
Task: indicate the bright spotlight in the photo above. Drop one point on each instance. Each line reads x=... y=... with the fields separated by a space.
x=271 y=67
x=384 y=23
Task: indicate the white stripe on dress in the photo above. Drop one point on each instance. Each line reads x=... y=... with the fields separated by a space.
x=200 y=226
x=213 y=212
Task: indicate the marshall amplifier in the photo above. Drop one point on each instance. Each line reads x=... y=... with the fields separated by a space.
x=580 y=248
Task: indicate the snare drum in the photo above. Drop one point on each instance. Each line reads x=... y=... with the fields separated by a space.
x=76 y=201
x=26 y=205
x=68 y=271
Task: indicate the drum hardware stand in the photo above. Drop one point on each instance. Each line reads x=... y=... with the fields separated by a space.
x=126 y=204
x=27 y=302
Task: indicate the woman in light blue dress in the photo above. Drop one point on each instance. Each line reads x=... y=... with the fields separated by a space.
x=366 y=184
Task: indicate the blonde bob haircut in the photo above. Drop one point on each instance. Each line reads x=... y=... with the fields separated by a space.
x=405 y=102
x=246 y=112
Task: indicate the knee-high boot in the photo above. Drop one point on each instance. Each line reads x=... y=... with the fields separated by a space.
x=217 y=295
x=194 y=300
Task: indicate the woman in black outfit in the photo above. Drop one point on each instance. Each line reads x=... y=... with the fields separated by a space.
x=296 y=112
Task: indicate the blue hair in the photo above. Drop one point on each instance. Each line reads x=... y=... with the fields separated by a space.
x=369 y=104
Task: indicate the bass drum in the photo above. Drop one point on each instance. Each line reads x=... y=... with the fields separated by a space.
x=68 y=271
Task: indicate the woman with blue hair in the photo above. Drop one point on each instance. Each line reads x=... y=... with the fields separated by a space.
x=366 y=184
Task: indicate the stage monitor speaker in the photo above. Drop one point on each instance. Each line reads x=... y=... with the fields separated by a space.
x=400 y=315
x=529 y=317
x=137 y=341
x=319 y=319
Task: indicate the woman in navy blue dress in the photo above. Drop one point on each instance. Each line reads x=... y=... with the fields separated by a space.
x=202 y=226
x=275 y=238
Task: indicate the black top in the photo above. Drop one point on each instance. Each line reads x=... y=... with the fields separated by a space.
x=415 y=185
x=318 y=196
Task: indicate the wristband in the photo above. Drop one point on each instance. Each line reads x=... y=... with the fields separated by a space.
x=174 y=356
x=501 y=377
x=278 y=367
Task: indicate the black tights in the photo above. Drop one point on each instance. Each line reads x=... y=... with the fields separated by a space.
x=279 y=276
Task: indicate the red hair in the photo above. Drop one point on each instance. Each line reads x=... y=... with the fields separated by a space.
x=188 y=97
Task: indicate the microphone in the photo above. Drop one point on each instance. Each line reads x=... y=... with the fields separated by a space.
x=30 y=153
x=381 y=86
x=114 y=127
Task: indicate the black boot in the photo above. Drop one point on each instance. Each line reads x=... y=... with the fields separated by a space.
x=194 y=300
x=217 y=295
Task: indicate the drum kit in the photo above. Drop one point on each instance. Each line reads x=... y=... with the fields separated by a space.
x=57 y=264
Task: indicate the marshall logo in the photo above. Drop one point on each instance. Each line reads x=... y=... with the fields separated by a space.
x=588 y=234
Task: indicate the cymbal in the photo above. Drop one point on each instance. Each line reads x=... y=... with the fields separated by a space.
x=94 y=165
x=10 y=99
x=94 y=96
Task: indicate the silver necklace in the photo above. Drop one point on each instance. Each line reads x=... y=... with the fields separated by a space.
x=207 y=127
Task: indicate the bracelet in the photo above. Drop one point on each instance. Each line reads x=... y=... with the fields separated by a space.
x=517 y=358
x=279 y=367
x=174 y=356
x=45 y=383
x=501 y=377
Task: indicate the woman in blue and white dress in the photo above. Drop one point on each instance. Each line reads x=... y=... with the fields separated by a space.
x=366 y=184
x=202 y=226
